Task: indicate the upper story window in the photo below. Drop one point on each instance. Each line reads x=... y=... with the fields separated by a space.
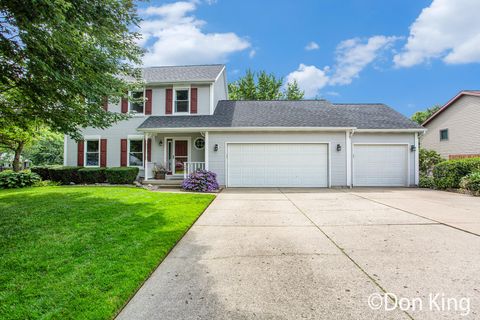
x=182 y=101
x=92 y=154
x=135 y=153
x=136 y=103
x=443 y=134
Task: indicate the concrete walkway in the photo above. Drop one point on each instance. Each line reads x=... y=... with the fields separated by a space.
x=320 y=254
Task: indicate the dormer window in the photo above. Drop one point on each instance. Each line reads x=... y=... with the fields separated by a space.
x=136 y=103
x=182 y=100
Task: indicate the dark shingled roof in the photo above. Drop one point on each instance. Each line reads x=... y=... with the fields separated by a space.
x=170 y=74
x=303 y=113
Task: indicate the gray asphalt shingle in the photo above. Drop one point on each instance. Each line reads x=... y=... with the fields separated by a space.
x=169 y=74
x=304 y=113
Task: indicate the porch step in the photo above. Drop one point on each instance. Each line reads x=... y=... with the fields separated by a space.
x=163 y=183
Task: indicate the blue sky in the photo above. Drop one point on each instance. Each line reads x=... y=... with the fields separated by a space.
x=409 y=54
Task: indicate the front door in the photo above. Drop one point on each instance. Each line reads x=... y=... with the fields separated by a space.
x=180 y=156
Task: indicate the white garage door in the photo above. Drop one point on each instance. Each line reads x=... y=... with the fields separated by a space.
x=277 y=165
x=380 y=165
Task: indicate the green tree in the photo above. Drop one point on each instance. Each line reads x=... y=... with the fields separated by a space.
x=14 y=139
x=59 y=59
x=293 y=91
x=263 y=86
x=420 y=116
x=47 y=149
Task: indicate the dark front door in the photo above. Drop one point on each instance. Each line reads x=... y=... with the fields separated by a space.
x=180 y=156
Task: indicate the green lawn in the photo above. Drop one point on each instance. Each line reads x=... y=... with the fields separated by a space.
x=82 y=252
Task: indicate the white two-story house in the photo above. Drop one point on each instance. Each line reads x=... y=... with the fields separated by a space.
x=186 y=123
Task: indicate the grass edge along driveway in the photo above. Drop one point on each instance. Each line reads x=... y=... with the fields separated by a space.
x=82 y=252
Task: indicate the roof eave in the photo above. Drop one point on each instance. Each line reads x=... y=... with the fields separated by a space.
x=259 y=129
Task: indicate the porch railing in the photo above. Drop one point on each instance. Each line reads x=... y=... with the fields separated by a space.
x=190 y=167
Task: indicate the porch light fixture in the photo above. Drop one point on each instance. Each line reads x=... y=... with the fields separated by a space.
x=339 y=147
x=215 y=148
x=160 y=142
x=413 y=148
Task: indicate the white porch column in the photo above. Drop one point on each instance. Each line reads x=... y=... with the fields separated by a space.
x=206 y=150
x=348 y=149
x=417 y=162
x=145 y=156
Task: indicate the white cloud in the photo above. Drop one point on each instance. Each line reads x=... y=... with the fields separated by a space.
x=447 y=30
x=312 y=45
x=172 y=35
x=252 y=53
x=353 y=55
x=309 y=78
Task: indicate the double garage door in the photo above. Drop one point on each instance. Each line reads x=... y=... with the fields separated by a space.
x=277 y=165
x=307 y=165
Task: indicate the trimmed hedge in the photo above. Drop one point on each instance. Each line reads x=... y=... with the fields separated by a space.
x=10 y=179
x=65 y=175
x=471 y=182
x=92 y=175
x=448 y=174
x=121 y=175
x=42 y=171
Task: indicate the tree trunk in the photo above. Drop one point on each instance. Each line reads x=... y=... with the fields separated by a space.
x=17 y=166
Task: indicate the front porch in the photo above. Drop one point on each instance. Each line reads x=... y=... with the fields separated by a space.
x=180 y=154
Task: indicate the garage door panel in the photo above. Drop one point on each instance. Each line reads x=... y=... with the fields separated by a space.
x=277 y=165
x=380 y=165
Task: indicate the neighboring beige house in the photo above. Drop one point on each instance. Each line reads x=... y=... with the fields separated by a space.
x=454 y=130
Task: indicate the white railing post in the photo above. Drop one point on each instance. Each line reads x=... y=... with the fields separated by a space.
x=190 y=167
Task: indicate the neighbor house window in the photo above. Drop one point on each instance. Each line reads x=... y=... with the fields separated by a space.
x=92 y=154
x=135 y=153
x=182 y=102
x=136 y=102
x=443 y=134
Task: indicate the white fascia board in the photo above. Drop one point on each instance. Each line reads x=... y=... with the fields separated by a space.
x=391 y=130
x=179 y=83
x=254 y=129
x=220 y=73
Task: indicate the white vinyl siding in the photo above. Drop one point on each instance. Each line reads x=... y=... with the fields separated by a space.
x=380 y=165
x=277 y=165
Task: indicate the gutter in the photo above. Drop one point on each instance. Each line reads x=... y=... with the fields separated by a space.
x=257 y=129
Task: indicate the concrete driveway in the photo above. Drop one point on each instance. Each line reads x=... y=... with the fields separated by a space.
x=322 y=254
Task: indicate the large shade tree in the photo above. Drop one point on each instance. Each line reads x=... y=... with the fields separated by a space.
x=263 y=86
x=59 y=59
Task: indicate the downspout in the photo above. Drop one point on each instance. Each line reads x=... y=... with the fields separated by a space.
x=349 y=156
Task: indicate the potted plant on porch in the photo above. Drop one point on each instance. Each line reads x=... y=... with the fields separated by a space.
x=159 y=172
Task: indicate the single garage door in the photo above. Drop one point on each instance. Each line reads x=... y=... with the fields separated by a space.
x=381 y=165
x=277 y=165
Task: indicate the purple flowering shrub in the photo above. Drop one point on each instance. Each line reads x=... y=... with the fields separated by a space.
x=201 y=181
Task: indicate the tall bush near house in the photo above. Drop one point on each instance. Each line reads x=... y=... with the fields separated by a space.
x=428 y=159
x=10 y=179
x=201 y=181
x=42 y=171
x=448 y=174
x=121 y=175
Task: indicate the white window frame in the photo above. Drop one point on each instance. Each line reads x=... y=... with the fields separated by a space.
x=128 y=151
x=87 y=139
x=175 y=89
x=129 y=103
